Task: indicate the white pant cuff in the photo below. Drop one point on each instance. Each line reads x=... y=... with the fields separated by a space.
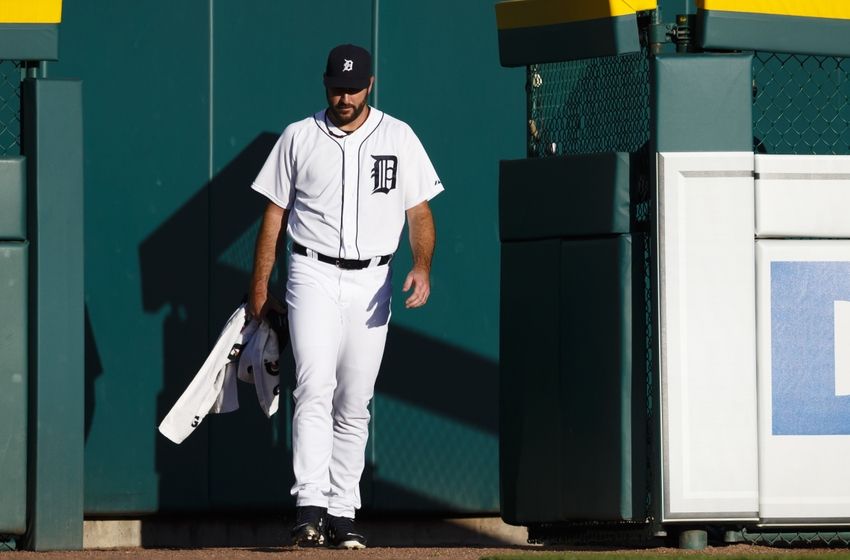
x=341 y=511
x=311 y=501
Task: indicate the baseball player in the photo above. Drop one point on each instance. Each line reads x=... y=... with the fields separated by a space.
x=341 y=183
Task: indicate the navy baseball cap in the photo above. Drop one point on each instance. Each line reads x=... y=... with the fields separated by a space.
x=349 y=66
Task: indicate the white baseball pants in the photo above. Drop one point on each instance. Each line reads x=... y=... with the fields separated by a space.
x=338 y=326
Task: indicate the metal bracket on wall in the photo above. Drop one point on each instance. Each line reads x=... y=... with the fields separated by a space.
x=681 y=34
x=30 y=69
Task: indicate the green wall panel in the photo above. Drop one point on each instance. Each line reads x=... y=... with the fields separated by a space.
x=580 y=195
x=593 y=38
x=573 y=376
x=603 y=374
x=778 y=33
x=469 y=114
x=530 y=428
x=438 y=70
x=13 y=386
x=52 y=130
x=28 y=41
x=13 y=194
x=702 y=102
x=180 y=116
x=290 y=89
x=145 y=68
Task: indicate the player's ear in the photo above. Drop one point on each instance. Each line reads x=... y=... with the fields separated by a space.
x=371 y=83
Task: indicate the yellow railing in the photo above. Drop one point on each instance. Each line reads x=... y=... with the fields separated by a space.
x=832 y=9
x=513 y=14
x=30 y=11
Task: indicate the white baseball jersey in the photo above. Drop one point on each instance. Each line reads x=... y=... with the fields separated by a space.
x=347 y=193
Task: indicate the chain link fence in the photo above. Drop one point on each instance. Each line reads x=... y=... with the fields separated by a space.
x=797 y=539
x=601 y=105
x=596 y=105
x=588 y=106
x=801 y=104
x=10 y=108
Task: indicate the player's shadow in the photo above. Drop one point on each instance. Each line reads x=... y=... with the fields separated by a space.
x=195 y=270
x=436 y=429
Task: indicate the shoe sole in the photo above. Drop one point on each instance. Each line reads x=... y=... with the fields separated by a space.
x=309 y=539
x=308 y=543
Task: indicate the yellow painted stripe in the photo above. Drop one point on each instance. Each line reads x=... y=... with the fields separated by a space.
x=512 y=14
x=30 y=11
x=832 y=9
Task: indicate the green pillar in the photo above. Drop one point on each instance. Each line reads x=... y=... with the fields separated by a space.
x=13 y=346
x=572 y=351
x=52 y=142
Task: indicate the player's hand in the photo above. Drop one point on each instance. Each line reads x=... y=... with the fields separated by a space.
x=419 y=280
x=259 y=304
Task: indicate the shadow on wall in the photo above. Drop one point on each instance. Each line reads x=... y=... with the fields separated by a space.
x=93 y=370
x=199 y=293
x=443 y=379
x=242 y=461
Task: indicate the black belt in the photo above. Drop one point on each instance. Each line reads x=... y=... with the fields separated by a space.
x=345 y=264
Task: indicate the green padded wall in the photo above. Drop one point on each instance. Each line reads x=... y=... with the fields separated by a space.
x=147 y=156
x=721 y=30
x=569 y=41
x=586 y=194
x=240 y=143
x=28 y=41
x=13 y=385
x=573 y=375
x=603 y=371
x=530 y=428
x=13 y=345
x=702 y=102
x=180 y=115
x=13 y=193
x=52 y=130
x=436 y=411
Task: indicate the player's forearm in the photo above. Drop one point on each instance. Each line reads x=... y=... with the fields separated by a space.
x=271 y=234
x=423 y=235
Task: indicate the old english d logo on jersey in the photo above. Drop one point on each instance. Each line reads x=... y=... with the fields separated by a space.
x=383 y=173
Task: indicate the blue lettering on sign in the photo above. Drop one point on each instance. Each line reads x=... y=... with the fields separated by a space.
x=803 y=347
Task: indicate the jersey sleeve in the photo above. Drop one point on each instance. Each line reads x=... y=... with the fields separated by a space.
x=423 y=184
x=277 y=176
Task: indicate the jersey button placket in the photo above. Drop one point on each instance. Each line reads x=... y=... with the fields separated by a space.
x=349 y=213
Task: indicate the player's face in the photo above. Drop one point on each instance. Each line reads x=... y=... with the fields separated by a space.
x=346 y=105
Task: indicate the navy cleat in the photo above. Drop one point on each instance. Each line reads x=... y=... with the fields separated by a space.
x=309 y=529
x=341 y=534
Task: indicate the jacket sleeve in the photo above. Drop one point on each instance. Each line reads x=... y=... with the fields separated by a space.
x=205 y=392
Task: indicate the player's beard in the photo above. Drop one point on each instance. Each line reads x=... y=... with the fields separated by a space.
x=342 y=120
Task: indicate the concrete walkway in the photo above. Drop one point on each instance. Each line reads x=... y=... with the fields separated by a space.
x=197 y=533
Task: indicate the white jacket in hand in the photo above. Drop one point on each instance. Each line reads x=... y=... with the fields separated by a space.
x=244 y=348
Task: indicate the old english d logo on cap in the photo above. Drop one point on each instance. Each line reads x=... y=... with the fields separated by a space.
x=349 y=67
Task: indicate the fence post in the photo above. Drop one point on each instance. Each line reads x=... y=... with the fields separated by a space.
x=52 y=142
